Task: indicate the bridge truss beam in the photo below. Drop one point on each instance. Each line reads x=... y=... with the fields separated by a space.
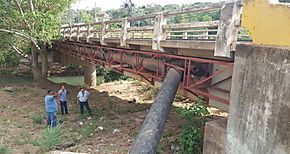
x=152 y=66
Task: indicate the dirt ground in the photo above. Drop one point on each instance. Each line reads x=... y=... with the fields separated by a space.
x=112 y=129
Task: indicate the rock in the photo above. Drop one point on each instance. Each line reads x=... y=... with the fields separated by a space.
x=132 y=100
x=9 y=89
x=81 y=124
x=172 y=147
x=116 y=131
x=100 y=128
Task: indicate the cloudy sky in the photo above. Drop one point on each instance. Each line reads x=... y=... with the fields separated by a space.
x=113 y=4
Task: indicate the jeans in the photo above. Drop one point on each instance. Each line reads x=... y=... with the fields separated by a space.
x=63 y=107
x=51 y=119
x=86 y=104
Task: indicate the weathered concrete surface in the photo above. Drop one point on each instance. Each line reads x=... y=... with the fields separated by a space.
x=259 y=114
x=215 y=136
x=90 y=75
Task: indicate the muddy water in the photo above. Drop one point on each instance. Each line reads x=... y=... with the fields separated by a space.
x=73 y=80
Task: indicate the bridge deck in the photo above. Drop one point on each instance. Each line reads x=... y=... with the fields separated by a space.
x=201 y=50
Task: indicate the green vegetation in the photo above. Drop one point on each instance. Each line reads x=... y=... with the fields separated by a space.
x=22 y=138
x=148 y=91
x=8 y=58
x=191 y=138
x=88 y=129
x=51 y=138
x=30 y=26
x=37 y=118
x=5 y=150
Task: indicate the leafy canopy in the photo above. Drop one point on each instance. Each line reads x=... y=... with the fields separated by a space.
x=37 y=19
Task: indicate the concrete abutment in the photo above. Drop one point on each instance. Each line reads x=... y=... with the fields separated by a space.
x=259 y=111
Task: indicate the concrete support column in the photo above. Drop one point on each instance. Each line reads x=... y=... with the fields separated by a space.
x=105 y=26
x=159 y=33
x=259 y=112
x=90 y=75
x=124 y=33
x=228 y=29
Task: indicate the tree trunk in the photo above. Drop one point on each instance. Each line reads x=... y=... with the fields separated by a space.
x=34 y=64
x=44 y=62
x=39 y=73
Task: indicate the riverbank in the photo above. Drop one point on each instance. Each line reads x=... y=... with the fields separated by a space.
x=112 y=129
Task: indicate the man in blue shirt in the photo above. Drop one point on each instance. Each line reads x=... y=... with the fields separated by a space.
x=62 y=99
x=51 y=108
x=83 y=97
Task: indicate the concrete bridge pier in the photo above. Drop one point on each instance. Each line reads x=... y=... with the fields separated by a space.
x=259 y=111
x=90 y=75
x=89 y=68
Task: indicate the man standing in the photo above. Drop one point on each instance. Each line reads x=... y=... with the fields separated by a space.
x=83 y=97
x=51 y=108
x=62 y=99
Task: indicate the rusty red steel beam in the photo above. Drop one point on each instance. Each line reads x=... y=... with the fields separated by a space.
x=105 y=56
x=159 y=54
x=210 y=77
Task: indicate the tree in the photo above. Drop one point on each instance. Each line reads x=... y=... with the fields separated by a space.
x=35 y=23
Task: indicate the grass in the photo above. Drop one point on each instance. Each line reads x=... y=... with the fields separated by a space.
x=50 y=138
x=88 y=129
x=5 y=150
x=37 y=118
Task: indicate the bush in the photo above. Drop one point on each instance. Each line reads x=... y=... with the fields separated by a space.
x=4 y=150
x=191 y=137
x=9 y=58
x=50 y=138
x=37 y=119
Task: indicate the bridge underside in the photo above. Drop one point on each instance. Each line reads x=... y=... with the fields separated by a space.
x=208 y=78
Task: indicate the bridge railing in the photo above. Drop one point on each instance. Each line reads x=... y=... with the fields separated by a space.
x=157 y=28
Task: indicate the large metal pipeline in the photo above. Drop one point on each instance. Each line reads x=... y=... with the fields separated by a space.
x=148 y=63
x=152 y=128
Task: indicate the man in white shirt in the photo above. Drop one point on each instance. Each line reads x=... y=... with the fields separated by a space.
x=83 y=97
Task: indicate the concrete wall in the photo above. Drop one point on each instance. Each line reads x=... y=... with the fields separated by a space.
x=259 y=114
x=215 y=136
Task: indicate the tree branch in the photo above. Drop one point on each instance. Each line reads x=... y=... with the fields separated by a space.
x=19 y=51
x=31 y=6
x=22 y=13
x=32 y=39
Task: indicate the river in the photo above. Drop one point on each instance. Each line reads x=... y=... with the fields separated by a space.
x=73 y=80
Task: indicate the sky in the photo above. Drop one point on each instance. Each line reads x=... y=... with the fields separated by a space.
x=114 y=4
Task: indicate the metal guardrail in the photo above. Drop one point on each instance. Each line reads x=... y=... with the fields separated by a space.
x=225 y=31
